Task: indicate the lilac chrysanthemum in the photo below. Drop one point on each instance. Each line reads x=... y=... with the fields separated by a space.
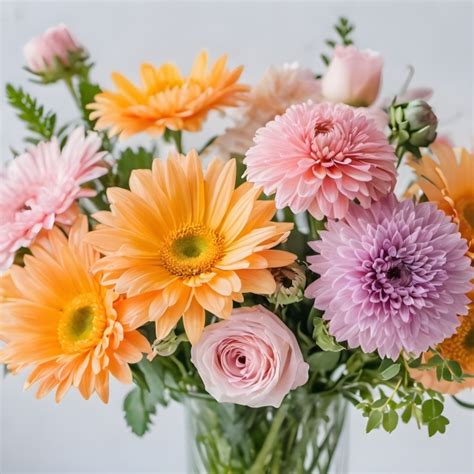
x=393 y=277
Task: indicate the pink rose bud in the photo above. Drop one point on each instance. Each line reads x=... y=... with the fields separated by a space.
x=57 y=42
x=250 y=359
x=353 y=77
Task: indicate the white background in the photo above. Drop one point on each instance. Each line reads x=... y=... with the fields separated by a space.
x=436 y=37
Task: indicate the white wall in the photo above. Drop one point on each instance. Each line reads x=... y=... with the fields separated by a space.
x=79 y=436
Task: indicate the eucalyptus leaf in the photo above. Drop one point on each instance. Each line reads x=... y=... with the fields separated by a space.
x=390 y=372
x=431 y=409
x=390 y=421
x=374 y=421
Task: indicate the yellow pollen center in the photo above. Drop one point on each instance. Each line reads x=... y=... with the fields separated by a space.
x=192 y=250
x=82 y=323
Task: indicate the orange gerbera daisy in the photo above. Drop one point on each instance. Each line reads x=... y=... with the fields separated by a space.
x=188 y=242
x=57 y=317
x=448 y=182
x=166 y=99
x=460 y=348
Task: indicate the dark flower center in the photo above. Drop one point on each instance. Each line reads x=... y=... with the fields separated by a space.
x=469 y=339
x=394 y=273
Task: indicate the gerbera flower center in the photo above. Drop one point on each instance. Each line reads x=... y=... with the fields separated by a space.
x=460 y=347
x=192 y=250
x=82 y=323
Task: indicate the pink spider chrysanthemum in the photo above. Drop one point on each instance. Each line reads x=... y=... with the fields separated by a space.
x=41 y=186
x=393 y=277
x=320 y=157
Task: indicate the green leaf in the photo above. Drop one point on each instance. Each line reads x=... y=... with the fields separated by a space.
x=446 y=374
x=435 y=361
x=154 y=378
x=323 y=361
x=138 y=409
x=455 y=368
x=374 y=421
x=390 y=421
x=322 y=337
x=431 y=409
x=87 y=93
x=131 y=160
x=380 y=402
x=390 y=372
x=407 y=413
x=437 y=425
x=38 y=121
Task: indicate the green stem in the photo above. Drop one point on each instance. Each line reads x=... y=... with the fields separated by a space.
x=207 y=144
x=259 y=465
x=177 y=136
x=463 y=404
x=315 y=227
x=70 y=87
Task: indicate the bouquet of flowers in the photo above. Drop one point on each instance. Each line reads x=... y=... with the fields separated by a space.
x=264 y=280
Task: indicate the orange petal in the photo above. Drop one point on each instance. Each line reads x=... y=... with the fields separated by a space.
x=194 y=319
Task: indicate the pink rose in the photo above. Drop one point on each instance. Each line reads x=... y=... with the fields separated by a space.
x=353 y=77
x=56 y=42
x=250 y=359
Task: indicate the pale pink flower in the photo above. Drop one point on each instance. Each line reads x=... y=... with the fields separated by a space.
x=250 y=359
x=353 y=77
x=279 y=88
x=320 y=157
x=41 y=186
x=377 y=114
x=55 y=43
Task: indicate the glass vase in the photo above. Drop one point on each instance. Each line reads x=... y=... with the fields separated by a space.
x=305 y=435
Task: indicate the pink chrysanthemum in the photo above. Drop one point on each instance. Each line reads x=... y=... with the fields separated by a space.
x=393 y=277
x=319 y=157
x=40 y=187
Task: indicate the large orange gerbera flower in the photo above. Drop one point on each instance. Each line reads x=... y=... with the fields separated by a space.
x=447 y=181
x=460 y=348
x=57 y=317
x=166 y=99
x=187 y=242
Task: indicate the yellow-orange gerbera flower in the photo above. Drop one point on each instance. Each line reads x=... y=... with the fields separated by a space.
x=58 y=318
x=460 y=348
x=166 y=99
x=188 y=242
x=448 y=181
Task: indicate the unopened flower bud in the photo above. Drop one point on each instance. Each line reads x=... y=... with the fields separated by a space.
x=54 y=54
x=167 y=346
x=290 y=283
x=422 y=122
x=413 y=126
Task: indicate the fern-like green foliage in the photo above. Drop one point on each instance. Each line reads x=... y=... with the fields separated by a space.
x=40 y=122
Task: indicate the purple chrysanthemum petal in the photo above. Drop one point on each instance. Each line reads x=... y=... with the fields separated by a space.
x=393 y=277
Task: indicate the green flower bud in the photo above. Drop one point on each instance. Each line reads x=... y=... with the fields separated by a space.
x=167 y=346
x=413 y=126
x=422 y=122
x=290 y=283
